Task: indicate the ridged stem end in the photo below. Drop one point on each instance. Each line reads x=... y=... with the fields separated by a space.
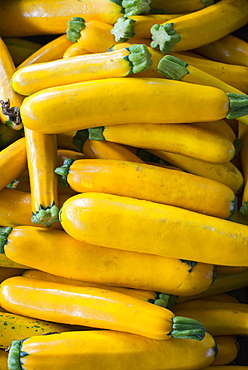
x=4 y=233
x=96 y=133
x=172 y=68
x=46 y=216
x=75 y=26
x=187 y=328
x=140 y=58
x=164 y=37
x=62 y=172
x=136 y=7
x=123 y=29
x=14 y=355
x=238 y=105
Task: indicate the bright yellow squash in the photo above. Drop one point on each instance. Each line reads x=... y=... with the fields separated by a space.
x=161 y=229
x=18 y=327
x=117 y=100
x=108 y=349
x=183 y=139
x=120 y=63
x=38 y=248
x=154 y=183
x=95 y=308
x=189 y=31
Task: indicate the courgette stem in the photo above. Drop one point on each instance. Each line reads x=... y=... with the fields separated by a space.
x=14 y=355
x=75 y=26
x=4 y=233
x=14 y=122
x=135 y=7
x=164 y=37
x=46 y=216
x=79 y=139
x=238 y=105
x=172 y=68
x=139 y=58
x=123 y=29
x=187 y=328
x=63 y=172
x=96 y=133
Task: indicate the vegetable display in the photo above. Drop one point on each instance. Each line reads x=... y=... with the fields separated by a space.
x=123 y=184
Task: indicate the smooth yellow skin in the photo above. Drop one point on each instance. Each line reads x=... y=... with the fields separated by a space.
x=226 y=173
x=42 y=161
x=37 y=274
x=154 y=228
x=13 y=161
x=108 y=349
x=5 y=262
x=178 y=5
x=223 y=283
x=20 y=48
x=96 y=36
x=219 y=19
x=6 y=272
x=231 y=74
x=154 y=183
x=183 y=139
x=219 y=318
x=117 y=100
x=221 y=127
x=229 y=49
x=197 y=76
x=19 y=327
x=143 y=23
x=244 y=166
x=15 y=208
x=39 y=76
x=107 y=150
x=227 y=367
x=228 y=349
x=48 y=17
x=74 y=50
x=50 y=51
x=38 y=247
x=3 y=360
x=7 y=68
x=86 y=306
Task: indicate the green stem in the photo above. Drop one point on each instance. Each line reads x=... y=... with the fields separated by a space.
x=75 y=26
x=13 y=113
x=164 y=37
x=123 y=29
x=172 y=68
x=244 y=209
x=238 y=105
x=237 y=145
x=140 y=58
x=79 y=139
x=46 y=216
x=187 y=328
x=63 y=172
x=207 y=2
x=136 y=7
x=4 y=233
x=96 y=133
x=14 y=362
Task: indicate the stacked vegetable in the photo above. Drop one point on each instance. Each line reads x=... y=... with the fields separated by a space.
x=124 y=186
